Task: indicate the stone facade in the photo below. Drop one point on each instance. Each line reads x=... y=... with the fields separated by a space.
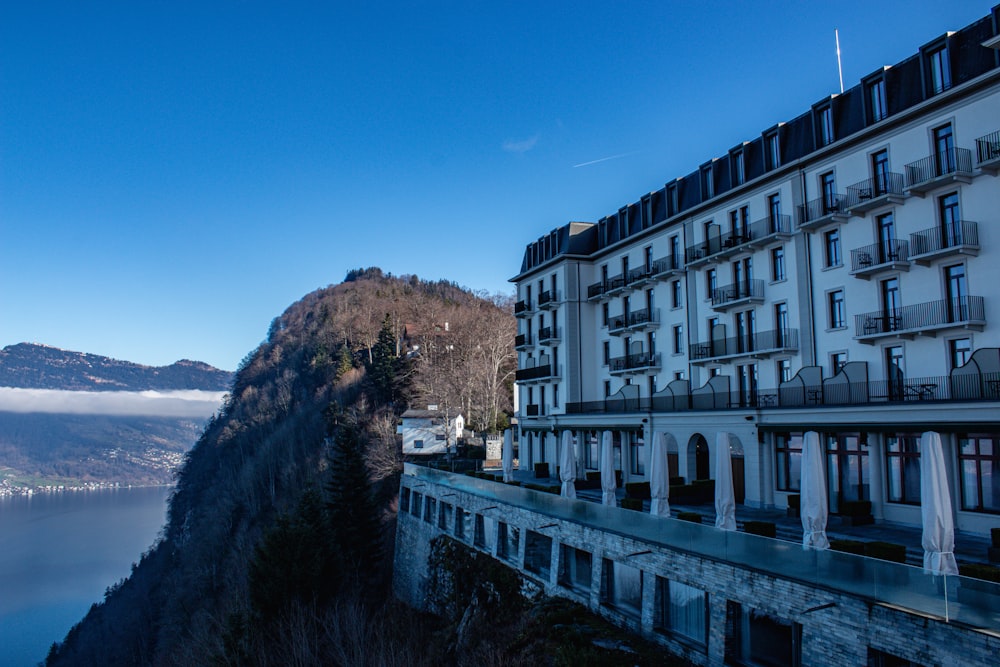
x=745 y=596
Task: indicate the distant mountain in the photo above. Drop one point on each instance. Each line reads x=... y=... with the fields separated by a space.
x=32 y=366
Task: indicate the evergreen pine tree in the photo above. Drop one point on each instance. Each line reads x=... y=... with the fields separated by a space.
x=345 y=362
x=384 y=364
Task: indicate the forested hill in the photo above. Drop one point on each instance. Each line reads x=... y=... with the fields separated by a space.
x=278 y=544
x=32 y=366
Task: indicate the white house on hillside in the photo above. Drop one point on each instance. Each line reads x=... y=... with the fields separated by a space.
x=430 y=431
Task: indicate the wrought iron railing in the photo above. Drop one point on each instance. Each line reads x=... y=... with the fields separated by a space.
x=748 y=289
x=883 y=252
x=596 y=290
x=522 y=340
x=636 y=361
x=988 y=147
x=546 y=297
x=547 y=333
x=889 y=183
x=921 y=316
x=952 y=161
x=664 y=264
x=951 y=235
x=822 y=207
x=522 y=307
x=760 y=341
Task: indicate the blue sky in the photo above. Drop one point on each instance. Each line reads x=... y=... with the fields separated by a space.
x=174 y=174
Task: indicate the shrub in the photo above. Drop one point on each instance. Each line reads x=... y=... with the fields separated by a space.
x=637 y=490
x=541 y=470
x=856 y=508
x=848 y=546
x=632 y=503
x=594 y=476
x=980 y=571
x=676 y=481
x=765 y=528
x=886 y=551
x=693 y=517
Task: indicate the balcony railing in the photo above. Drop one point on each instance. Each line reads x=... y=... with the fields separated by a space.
x=640 y=361
x=944 y=167
x=739 y=293
x=539 y=372
x=874 y=192
x=633 y=320
x=988 y=152
x=547 y=334
x=547 y=299
x=531 y=410
x=823 y=211
x=954 y=387
x=964 y=311
x=958 y=238
x=596 y=291
x=639 y=275
x=521 y=340
x=882 y=256
x=615 y=284
x=666 y=265
x=771 y=227
x=761 y=343
x=522 y=308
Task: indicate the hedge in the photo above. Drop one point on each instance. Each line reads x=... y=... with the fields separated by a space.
x=765 y=528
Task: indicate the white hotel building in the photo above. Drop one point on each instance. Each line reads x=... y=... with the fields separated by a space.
x=838 y=273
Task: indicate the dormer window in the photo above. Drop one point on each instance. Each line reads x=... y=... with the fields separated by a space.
x=826 y=135
x=877 y=107
x=939 y=69
x=707 y=186
x=773 y=150
x=739 y=171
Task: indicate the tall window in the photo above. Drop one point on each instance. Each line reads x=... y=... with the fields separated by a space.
x=891 y=301
x=637 y=453
x=607 y=388
x=711 y=281
x=880 y=173
x=895 y=372
x=605 y=313
x=707 y=187
x=746 y=329
x=739 y=174
x=746 y=378
x=939 y=70
x=885 y=225
x=606 y=347
x=959 y=351
x=877 y=106
x=784 y=370
x=833 y=253
x=826 y=135
x=950 y=219
x=837 y=362
x=828 y=185
x=957 y=293
x=979 y=461
x=773 y=151
x=774 y=212
x=647 y=254
x=678 y=338
x=848 y=476
x=781 y=324
x=838 y=313
x=902 y=468
x=944 y=150
x=676 y=300
x=788 y=461
x=778 y=263
x=675 y=250
x=683 y=610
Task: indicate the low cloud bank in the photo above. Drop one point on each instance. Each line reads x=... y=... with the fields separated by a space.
x=191 y=403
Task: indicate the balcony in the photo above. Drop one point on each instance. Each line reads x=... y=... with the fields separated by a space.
x=871 y=193
x=615 y=285
x=771 y=228
x=522 y=309
x=924 y=319
x=667 y=266
x=960 y=238
x=636 y=320
x=542 y=371
x=548 y=300
x=639 y=276
x=548 y=335
x=944 y=168
x=758 y=345
x=823 y=211
x=988 y=153
x=631 y=364
x=531 y=410
x=869 y=260
x=522 y=341
x=596 y=291
x=739 y=294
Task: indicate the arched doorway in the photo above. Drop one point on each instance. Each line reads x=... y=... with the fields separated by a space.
x=698 y=467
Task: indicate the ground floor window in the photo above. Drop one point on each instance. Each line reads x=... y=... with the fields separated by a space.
x=682 y=610
x=485 y=533
x=788 y=461
x=621 y=587
x=590 y=456
x=404 y=500
x=848 y=476
x=637 y=453
x=902 y=468
x=416 y=504
x=755 y=637
x=463 y=523
x=508 y=540
x=574 y=569
x=430 y=510
x=445 y=519
x=537 y=554
x=979 y=461
x=878 y=658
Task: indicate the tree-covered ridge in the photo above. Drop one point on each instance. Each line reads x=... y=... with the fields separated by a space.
x=314 y=407
x=32 y=366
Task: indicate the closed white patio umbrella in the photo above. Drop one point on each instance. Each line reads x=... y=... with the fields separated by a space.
x=935 y=508
x=567 y=466
x=659 y=477
x=608 y=482
x=813 y=504
x=507 y=457
x=725 y=497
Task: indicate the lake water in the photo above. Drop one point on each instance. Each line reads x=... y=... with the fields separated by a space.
x=58 y=554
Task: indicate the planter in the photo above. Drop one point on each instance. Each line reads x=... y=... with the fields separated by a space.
x=762 y=528
x=631 y=504
x=541 y=470
x=693 y=517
